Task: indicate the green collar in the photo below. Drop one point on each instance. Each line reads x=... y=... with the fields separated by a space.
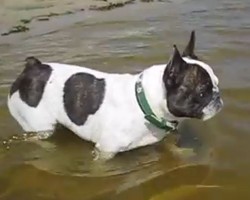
x=149 y=114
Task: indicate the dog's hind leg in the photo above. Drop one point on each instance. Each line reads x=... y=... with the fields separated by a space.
x=41 y=135
x=37 y=121
x=41 y=128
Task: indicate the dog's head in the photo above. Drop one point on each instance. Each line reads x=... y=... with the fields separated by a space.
x=191 y=85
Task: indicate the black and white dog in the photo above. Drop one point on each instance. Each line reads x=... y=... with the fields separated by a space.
x=117 y=112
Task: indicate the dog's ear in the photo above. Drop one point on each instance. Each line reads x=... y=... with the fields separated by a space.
x=174 y=68
x=189 y=50
x=176 y=60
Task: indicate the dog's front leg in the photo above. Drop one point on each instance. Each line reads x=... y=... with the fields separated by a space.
x=40 y=135
x=102 y=155
x=106 y=149
x=110 y=144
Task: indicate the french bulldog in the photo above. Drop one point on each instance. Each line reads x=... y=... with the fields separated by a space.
x=117 y=112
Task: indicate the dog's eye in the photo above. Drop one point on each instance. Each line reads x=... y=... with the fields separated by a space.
x=201 y=94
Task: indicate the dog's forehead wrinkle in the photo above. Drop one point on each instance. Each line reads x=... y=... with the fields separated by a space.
x=204 y=66
x=195 y=76
x=189 y=79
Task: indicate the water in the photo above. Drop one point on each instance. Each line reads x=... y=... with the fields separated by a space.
x=130 y=39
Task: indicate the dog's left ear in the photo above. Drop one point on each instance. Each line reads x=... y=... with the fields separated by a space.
x=174 y=69
x=189 y=50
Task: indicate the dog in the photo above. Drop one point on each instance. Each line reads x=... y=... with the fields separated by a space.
x=117 y=112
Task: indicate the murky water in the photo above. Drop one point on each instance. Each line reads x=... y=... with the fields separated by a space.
x=130 y=39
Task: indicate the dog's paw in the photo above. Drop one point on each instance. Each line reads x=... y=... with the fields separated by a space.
x=41 y=135
x=102 y=155
x=182 y=153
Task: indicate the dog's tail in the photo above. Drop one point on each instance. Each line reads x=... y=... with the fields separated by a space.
x=32 y=61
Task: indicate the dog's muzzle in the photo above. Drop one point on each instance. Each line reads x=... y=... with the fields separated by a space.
x=215 y=106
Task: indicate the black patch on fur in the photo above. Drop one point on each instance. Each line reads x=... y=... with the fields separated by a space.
x=83 y=95
x=189 y=87
x=31 y=82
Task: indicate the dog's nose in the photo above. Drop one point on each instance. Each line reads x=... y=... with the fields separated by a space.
x=221 y=102
x=217 y=97
x=218 y=100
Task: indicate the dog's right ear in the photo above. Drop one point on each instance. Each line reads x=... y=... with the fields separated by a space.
x=189 y=50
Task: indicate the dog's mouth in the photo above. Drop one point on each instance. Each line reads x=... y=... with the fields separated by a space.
x=212 y=109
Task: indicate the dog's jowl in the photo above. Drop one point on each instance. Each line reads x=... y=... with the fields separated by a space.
x=117 y=112
x=83 y=95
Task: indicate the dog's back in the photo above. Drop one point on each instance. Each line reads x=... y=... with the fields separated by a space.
x=45 y=94
x=36 y=96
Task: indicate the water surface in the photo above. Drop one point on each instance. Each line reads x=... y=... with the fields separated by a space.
x=130 y=39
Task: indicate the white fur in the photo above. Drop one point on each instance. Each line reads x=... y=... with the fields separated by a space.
x=119 y=123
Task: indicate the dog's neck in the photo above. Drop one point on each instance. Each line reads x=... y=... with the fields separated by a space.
x=155 y=91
